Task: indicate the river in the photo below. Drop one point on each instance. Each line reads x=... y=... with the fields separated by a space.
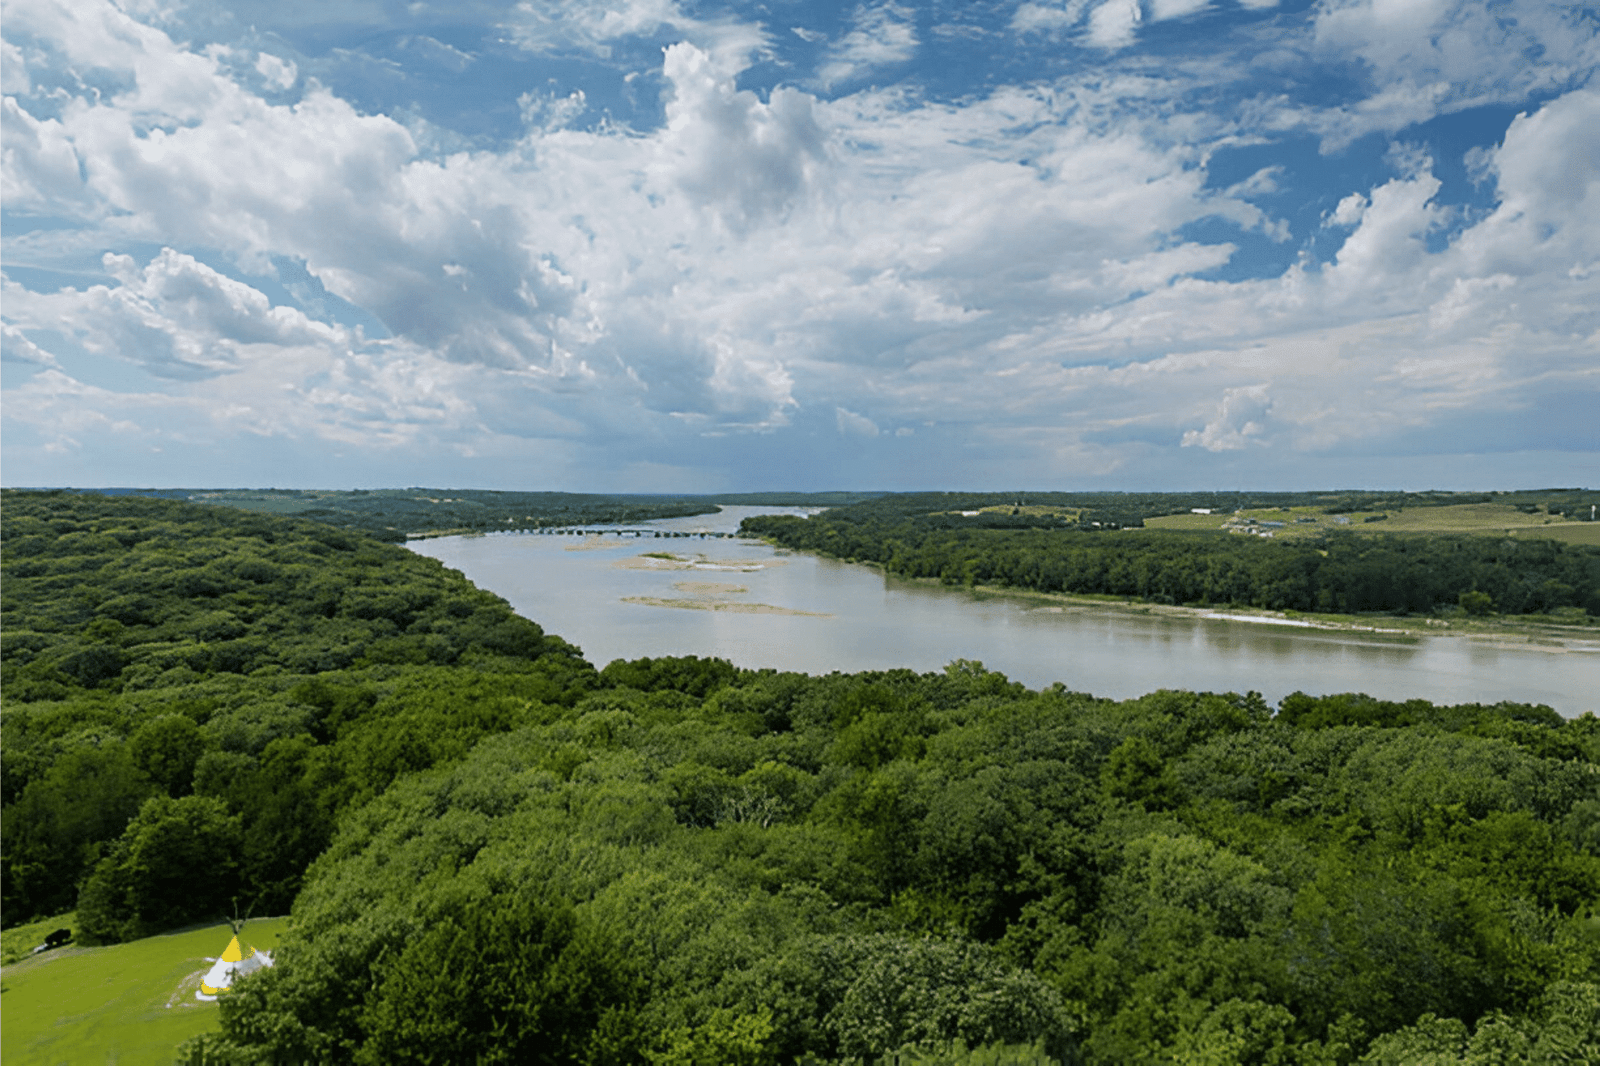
x=743 y=601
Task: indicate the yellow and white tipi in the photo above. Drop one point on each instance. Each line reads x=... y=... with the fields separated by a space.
x=233 y=965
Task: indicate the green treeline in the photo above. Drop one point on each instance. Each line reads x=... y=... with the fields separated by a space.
x=1342 y=572
x=495 y=852
x=1122 y=510
x=394 y=514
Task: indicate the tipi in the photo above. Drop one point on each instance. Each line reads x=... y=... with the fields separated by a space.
x=233 y=965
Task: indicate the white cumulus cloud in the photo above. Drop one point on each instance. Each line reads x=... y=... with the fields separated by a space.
x=1015 y=273
x=279 y=73
x=1047 y=18
x=1240 y=420
x=1431 y=56
x=1114 y=23
x=882 y=36
x=854 y=425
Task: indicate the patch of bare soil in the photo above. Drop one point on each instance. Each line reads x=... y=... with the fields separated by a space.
x=719 y=605
x=709 y=588
x=670 y=561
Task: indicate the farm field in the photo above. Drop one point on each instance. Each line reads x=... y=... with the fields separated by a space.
x=129 y=1004
x=1492 y=519
x=1030 y=509
x=1569 y=532
x=1315 y=521
x=1487 y=519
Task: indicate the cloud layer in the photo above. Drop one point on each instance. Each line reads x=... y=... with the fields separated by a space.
x=218 y=266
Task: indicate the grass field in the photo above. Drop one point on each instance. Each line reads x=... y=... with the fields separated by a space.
x=16 y=942
x=1570 y=533
x=289 y=503
x=1034 y=510
x=1298 y=522
x=128 y=1004
x=1488 y=519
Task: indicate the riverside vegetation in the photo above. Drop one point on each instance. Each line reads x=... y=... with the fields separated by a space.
x=496 y=852
x=1337 y=570
x=397 y=514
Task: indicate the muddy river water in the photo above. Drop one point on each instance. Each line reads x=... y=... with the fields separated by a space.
x=630 y=596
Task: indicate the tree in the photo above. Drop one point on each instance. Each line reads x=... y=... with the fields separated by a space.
x=496 y=980
x=1566 y=1029
x=176 y=863
x=1136 y=773
x=56 y=829
x=166 y=749
x=928 y=992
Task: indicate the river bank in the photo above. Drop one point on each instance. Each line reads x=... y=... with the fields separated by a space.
x=1525 y=632
x=1534 y=632
x=631 y=599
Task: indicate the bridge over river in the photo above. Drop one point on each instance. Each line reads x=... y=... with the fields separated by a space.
x=613 y=531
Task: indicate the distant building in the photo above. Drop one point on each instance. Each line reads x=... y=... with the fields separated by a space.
x=1199 y=510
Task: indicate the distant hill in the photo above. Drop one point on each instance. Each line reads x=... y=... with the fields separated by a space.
x=396 y=514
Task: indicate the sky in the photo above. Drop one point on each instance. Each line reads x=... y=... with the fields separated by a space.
x=671 y=246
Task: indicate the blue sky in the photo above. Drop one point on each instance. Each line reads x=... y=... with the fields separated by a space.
x=661 y=245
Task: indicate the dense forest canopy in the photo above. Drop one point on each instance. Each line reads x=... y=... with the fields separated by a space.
x=495 y=851
x=158 y=648
x=1339 y=571
x=1022 y=509
x=396 y=514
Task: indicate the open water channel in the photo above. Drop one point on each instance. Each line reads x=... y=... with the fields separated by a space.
x=744 y=601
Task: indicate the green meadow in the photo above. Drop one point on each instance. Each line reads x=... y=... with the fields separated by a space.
x=129 y=1004
x=1486 y=519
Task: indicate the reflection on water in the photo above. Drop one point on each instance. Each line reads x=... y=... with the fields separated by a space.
x=836 y=616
